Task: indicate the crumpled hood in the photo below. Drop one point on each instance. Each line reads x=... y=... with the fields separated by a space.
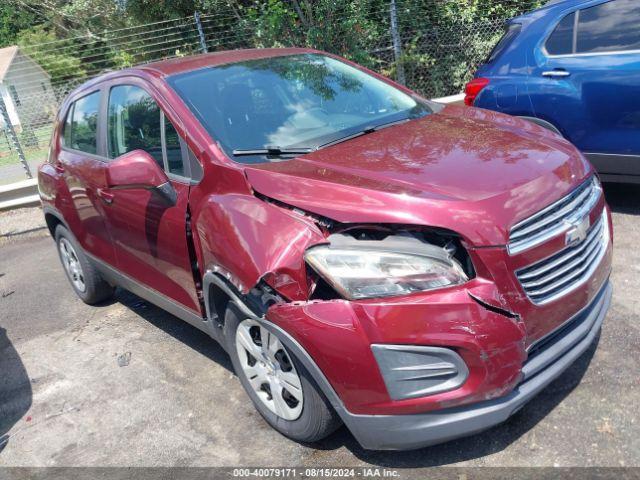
x=472 y=171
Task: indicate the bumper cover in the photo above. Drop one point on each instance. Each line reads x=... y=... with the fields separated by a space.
x=400 y=432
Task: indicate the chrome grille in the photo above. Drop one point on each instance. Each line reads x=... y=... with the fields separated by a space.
x=553 y=277
x=552 y=220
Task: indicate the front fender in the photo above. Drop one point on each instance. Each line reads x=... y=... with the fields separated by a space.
x=247 y=239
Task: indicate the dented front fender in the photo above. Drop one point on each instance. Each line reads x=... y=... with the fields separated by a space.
x=247 y=239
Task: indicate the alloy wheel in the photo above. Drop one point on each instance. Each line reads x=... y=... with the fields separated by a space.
x=269 y=370
x=72 y=264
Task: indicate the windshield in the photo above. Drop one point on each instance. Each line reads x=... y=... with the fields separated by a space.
x=289 y=103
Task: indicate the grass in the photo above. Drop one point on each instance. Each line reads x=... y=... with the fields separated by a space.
x=38 y=135
x=31 y=154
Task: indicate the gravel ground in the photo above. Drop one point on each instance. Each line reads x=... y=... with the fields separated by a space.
x=126 y=384
x=17 y=226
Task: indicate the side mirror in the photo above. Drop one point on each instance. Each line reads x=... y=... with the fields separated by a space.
x=138 y=169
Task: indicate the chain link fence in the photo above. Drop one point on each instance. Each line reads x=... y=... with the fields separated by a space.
x=403 y=39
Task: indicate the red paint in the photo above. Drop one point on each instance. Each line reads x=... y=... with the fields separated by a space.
x=338 y=336
x=470 y=171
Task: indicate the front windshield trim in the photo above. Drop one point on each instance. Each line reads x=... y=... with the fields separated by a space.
x=420 y=108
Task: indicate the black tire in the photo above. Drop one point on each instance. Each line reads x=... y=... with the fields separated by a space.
x=317 y=420
x=97 y=289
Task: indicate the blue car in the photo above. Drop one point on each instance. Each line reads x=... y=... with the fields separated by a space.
x=573 y=66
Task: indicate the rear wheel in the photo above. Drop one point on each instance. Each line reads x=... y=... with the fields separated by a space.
x=279 y=386
x=83 y=276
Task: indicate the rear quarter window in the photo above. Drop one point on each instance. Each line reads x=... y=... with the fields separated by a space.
x=560 y=42
x=507 y=39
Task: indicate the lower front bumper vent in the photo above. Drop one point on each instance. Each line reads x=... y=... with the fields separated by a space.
x=411 y=371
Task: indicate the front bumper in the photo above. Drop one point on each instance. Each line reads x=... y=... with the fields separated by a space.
x=391 y=432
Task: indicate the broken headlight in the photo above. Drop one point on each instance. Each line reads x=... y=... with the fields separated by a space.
x=369 y=272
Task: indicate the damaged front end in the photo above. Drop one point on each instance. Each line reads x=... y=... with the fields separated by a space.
x=413 y=301
x=360 y=262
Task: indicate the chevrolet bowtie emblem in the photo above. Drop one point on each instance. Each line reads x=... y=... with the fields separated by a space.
x=578 y=231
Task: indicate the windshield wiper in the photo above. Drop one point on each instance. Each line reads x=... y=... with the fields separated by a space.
x=272 y=151
x=365 y=131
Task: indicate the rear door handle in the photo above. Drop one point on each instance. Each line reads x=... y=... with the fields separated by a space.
x=557 y=73
x=105 y=196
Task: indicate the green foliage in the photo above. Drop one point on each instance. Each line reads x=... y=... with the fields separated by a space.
x=147 y=11
x=122 y=59
x=274 y=24
x=57 y=62
x=443 y=40
x=12 y=21
x=88 y=15
x=346 y=28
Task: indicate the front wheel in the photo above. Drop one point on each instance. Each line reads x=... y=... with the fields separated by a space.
x=280 y=388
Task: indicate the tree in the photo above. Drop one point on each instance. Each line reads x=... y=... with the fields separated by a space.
x=91 y=16
x=147 y=11
x=348 y=28
x=12 y=21
x=443 y=40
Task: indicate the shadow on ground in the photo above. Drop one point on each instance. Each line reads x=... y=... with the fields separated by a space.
x=15 y=388
x=623 y=198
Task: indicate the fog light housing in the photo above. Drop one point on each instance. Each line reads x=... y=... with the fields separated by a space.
x=411 y=371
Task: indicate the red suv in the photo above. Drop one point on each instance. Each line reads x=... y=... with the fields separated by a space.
x=415 y=271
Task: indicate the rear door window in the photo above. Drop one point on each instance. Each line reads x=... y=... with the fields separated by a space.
x=561 y=40
x=509 y=36
x=610 y=27
x=81 y=127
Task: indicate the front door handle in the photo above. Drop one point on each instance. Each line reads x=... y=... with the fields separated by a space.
x=105 y=196
x=557 y=73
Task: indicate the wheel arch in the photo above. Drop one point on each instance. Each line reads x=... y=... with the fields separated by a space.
x=223 y=287
x=53 y=218
x=543 y=123
x=218 y=293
